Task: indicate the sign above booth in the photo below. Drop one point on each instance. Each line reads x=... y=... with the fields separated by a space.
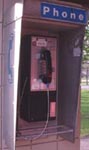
x=63 y=13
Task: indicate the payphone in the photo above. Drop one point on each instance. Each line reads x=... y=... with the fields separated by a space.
x=43 y=63
x=39 y=66
x=46 y=66
x=49 y=69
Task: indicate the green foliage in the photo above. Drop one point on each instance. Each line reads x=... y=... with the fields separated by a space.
x=86 y=45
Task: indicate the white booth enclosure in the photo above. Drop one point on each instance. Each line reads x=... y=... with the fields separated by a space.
x=11 y=46
x=26 y=22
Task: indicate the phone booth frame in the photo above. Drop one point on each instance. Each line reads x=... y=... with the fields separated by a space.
x=43 y=19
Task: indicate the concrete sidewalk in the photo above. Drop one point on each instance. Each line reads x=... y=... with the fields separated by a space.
x=86 y=87
x=84 y=144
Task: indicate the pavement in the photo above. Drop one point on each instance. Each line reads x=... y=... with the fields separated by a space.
x=86 y=87
x=84 y=144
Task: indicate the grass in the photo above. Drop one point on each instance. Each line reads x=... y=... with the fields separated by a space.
x=84 y=127
x=84 y=112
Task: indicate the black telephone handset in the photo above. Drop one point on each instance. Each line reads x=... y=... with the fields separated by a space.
x=45 y=66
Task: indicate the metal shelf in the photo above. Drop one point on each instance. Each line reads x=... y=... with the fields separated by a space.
x=31 y=133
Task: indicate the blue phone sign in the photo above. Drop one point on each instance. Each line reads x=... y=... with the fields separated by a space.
x=63 y=13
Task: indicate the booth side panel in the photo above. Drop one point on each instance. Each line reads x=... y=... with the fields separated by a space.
x=1 y=73
x=10 y=11
x=11 y=43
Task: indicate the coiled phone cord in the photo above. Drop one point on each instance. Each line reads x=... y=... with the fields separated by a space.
x=47 y=121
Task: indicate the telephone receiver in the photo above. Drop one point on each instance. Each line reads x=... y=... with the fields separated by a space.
x=45 y=66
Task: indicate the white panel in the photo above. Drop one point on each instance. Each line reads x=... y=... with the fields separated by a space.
x=5 y=41
x=11 y=45
x=3 y=70
x=12 y=35
x=0 y=37
x=7 y=4
x=65 y=145
x=45 y=146
x=12 y=11
x=1 y=8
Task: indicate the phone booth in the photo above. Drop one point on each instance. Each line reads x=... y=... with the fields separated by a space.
x=45 y=74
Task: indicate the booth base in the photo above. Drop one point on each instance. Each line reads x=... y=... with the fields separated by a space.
x=54 y=144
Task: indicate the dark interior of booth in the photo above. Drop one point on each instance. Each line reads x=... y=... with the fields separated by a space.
x=33 y=106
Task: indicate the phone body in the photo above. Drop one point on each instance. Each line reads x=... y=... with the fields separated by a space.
x=45 y=66
x=43 y=63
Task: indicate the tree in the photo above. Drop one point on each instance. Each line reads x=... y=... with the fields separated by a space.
x=86 y=45
x=85 y=64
